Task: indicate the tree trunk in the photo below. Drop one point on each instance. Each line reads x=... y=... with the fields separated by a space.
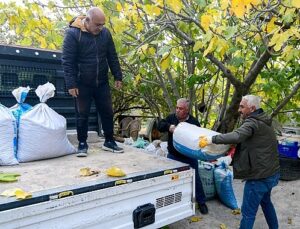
x=232 y=114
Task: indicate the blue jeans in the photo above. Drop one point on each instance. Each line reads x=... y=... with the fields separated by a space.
x=258 y=192
x=200 y=196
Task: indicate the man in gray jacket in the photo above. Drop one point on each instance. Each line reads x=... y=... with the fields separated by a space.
x=256 y=160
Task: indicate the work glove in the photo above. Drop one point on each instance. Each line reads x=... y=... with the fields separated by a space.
x=204 y=141
x=226 y=159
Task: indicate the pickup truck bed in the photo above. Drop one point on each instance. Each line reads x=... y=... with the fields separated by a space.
x=59 y=190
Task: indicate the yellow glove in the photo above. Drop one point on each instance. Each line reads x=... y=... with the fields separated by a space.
x=204 y=141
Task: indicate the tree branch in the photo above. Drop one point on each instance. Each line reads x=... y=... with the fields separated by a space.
x=227 y=73
x=286 y=100
x=256 y=68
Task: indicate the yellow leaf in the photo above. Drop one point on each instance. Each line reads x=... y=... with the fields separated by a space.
x=195 y=219
x=84 y=172
x=152 y=10
x=211 y=47
x=223 y=226
x=21 y=195
x=295 y=3
x=257 y=37
x=197 y=46
x=224 y=4
x=205 y=21
x=271 y=26
x=238 y=7
x=255 y=2
x=165 y=62
x=151 y=51
x=52 y=46
x=160 y=3
x=119 y=7
x=43 y=42
x=295 y=32
x=10 y=192
x=115 y=172
x=236 y=211
x=241 y=41
x=119 y=25
x=143 y=49
x=222 y=47
x=139 y=26
x=156 y=11
x=45 y=21
x=279 y=39
x=176 y=5
x=289 y=53
x=137 y=79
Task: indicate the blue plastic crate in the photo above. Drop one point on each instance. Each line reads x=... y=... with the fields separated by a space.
x=288 y=149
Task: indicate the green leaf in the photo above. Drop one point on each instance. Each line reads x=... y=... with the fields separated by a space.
x=230 y=32
x=8 y=177
x=201 y=3
x=237 y=61
x=163 y=50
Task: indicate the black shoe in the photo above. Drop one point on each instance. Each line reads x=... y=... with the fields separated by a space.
x=82 y=149
x=112 y=146
x=203 y=209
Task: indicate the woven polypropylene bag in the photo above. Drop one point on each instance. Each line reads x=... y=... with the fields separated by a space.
x=8 y=137
x=186 y=141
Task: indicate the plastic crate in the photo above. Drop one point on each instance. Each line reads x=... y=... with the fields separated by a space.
x=289 y=168
x=288 y=149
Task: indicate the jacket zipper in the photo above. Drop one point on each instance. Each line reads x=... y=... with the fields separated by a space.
x=97 y=78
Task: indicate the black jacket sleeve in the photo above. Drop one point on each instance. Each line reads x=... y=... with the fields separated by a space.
x=69 y=58
x=164 y=124
x=112 y=58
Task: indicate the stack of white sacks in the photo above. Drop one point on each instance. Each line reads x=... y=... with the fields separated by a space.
x=34 y=133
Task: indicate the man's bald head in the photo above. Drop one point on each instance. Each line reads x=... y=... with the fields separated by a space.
x=95 y=20
x=95 y=12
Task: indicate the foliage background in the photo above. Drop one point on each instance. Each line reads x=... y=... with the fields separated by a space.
x=210 y=51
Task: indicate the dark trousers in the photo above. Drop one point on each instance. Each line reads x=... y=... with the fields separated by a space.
x=102 y=98
x=200 y=196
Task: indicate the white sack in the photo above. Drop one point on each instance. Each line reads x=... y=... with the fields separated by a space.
x=42 y=131
x=8 y=137
x=20 y=108
x=186 y=141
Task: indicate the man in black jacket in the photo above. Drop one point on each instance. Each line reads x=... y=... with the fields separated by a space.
x=88 y=52
x=168 y=125
x=256 y=160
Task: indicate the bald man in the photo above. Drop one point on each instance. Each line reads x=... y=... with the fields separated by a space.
x=88 y=53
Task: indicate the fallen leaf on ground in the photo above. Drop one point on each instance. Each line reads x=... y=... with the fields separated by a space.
x=236 y=211
x=21 y=195
x=84 y=172
x=10 y=192
x=194 y=219
x=115 y=172
x=9 y=177
x=223 y=226
x=290 y=220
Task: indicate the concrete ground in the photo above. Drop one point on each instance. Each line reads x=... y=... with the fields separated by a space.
x=286 y=199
